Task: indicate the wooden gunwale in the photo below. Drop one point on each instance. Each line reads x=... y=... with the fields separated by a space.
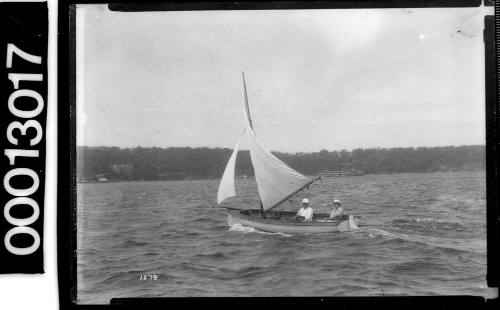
x=254 y=216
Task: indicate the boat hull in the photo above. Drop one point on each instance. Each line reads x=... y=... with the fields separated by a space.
x=286 y=224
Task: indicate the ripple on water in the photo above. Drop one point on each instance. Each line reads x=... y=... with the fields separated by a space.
x=420 y=234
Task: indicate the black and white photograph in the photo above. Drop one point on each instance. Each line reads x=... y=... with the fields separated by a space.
x=280 y=153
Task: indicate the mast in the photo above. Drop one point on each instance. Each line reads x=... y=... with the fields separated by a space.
x=247 y=107
x=274 y=178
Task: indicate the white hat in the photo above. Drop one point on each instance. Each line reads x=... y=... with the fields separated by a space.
x=337 y=201
x=305 y=200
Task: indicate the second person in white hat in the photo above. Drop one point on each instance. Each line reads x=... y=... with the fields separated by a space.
x=337 y=211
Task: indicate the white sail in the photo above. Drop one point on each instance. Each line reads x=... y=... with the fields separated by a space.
x=226 y=186
x=275 y=180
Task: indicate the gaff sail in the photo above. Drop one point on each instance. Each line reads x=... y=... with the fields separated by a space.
x=275 y=179
x=226 y=186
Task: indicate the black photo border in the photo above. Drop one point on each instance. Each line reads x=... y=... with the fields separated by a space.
x=66 y=175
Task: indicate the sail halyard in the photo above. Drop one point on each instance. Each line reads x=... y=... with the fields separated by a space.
x=275 y=179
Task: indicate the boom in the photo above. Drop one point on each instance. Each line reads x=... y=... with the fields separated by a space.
x=294 y=193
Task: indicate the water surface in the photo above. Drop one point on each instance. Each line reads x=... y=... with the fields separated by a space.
x=420 y=234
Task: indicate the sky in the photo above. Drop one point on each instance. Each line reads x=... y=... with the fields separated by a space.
x=316 y=79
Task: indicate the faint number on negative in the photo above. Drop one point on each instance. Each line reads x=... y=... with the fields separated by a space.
x=149 y=277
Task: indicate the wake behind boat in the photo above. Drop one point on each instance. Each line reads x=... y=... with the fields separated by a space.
x=276 y=184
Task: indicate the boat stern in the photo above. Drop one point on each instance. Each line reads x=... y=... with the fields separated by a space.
x=353 y=222
x=350 y=224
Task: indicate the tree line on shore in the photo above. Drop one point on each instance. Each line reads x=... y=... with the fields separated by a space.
x=174 y=163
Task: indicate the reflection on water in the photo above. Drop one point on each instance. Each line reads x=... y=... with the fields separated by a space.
x=420 y=234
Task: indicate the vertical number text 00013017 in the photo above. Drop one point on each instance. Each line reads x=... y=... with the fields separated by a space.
x=24 y=128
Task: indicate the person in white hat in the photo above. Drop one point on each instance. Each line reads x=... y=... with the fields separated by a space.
x=337 y=210
x=305 y=213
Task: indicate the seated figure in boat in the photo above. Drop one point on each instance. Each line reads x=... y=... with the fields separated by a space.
x=337 y=211
x=305 y=213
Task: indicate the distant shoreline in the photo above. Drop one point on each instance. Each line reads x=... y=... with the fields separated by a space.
x=252 y=178
x=113 y=163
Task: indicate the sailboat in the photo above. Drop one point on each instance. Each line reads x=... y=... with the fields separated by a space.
x=276 y=184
